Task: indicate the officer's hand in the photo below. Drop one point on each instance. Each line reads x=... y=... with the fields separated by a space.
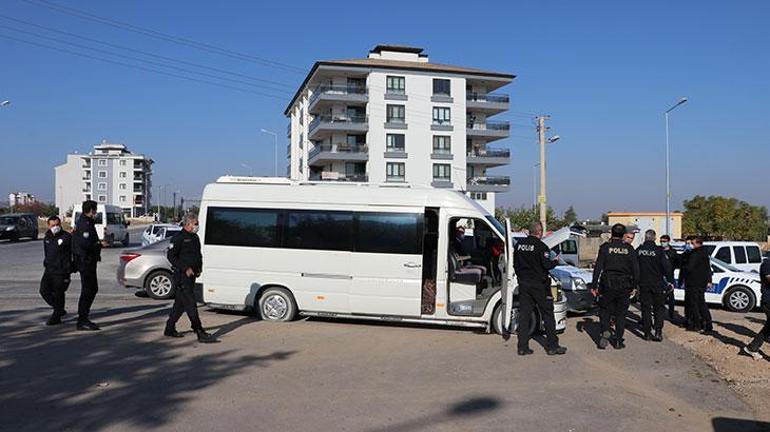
x=708 y=285
x=105 y=243
x=189 y=272
x=595 y=292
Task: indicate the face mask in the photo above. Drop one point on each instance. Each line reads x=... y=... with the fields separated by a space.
x=55 y=229
x=664 y=244
x=195 y=229
x=688 y=247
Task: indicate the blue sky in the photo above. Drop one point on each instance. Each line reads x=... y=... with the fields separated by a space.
x=604 y=70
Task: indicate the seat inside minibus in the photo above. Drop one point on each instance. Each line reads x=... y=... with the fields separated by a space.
x=475 y=264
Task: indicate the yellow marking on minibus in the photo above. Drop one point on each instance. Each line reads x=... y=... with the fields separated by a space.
x=438 y=305
x=320 y=298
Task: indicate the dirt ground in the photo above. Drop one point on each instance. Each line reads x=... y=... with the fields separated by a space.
x=748 y=377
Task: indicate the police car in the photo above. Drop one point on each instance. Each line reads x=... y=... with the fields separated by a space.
x=737 y=290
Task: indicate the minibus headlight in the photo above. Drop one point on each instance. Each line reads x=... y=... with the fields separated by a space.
x=579 y=284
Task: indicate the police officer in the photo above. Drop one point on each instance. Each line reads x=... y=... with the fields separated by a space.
x=57 y=246
x=616 y=274
x=656 y=277
x=531 y=261
x=87 y=252
x=184 y=254
x=752 y=349
x=697 y=281
x=673 y=259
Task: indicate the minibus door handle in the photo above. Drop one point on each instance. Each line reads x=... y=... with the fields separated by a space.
x=412 y=265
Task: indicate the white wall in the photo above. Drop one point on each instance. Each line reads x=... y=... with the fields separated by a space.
x=68 y=183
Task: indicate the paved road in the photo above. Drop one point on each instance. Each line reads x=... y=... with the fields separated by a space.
x=327 y=375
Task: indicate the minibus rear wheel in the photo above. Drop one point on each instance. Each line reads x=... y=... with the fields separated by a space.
x=277 y=304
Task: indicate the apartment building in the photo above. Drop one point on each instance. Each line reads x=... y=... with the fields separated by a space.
x=395 y=117
x=20 y=198
x=110 y=174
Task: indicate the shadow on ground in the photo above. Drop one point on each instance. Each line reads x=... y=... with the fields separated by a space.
x=725 y=424
x=54 y=378
x=461 y=410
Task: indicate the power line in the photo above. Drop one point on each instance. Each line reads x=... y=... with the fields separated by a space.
x=276 y=83
x=164 y=36
x=237 y=81
x=142 y=68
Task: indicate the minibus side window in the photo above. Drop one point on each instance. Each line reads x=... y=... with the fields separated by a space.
x=242 y=227
x=396 y=233
x=318 y=229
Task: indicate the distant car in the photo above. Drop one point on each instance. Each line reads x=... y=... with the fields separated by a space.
x=148 y=269
x=157 y=232
x=738 y=291
x=18 y=225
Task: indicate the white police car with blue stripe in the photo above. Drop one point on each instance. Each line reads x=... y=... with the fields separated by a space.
x=737 y=290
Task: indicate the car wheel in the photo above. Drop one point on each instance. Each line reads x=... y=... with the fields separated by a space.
x=126 y=241
x=740 y=299
x=159 y=285
x=277 y=304
x=15 y=238
x=497 y=321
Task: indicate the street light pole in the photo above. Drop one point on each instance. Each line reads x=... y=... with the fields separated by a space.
x=668 y=168
x=275 y=143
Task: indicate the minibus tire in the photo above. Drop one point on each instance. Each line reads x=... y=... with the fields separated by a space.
x=277 y=304
x=534 y=322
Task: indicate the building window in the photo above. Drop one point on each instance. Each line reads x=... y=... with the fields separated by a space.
x=479 y=196
x=441 y=87
x=123 y=186
x=441 y=115
x=442 y=144
x=396 y=84
x=102 y=186
x=395 y=171
x=102 y=162
x=396 y=114
x=395 y=143
x=102 y=174
x=102 y=198
x=122 y=198
x=122 y=174
x=442 y=172
x=122 y=162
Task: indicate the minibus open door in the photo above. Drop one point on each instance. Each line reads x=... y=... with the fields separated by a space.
x=507 y=289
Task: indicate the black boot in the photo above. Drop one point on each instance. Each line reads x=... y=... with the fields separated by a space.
x=54 y=320
x=658 y=336
x=87 y=324
x=604 y=340
x=618 y=344
x=647 y=336
x=557 y=350
x=525 y=351
x=171 y=332
x=204 y=337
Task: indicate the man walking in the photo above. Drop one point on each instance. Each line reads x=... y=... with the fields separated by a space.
x=655 y=279
x=531 y=262
x=673 y=259
x=184 y=254
x=616 y=274
x=87 y=252
x=752 y=349
x=57 y=247
x=697 y=281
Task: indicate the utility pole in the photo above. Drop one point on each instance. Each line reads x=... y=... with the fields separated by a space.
x=542 y=197
x=175 y=204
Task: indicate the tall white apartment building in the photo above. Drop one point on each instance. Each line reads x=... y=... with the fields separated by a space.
x=110 y=174
x=395 y=117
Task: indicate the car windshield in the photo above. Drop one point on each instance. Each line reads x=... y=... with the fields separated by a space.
x=725 y=265
x=496 y=223
x=9 y=220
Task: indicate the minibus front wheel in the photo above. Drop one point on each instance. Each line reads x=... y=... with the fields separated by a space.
x=497 y=321
x=277 y=304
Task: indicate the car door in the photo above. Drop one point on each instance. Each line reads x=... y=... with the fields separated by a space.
x=506 y=291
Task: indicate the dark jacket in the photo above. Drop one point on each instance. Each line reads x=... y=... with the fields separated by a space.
x=185 y=252
x=654 y=266
x=698 y=273
x=673 y=258
x=764 y=273
x=86 y=247
x=58 y=252
x=683 y=259
x=531 y=261
x=616 y=258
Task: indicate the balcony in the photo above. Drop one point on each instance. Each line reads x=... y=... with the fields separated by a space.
x=488 y=184
x=491 y=130
x=138 y=178
x=325 y=125
x=489 y=157
x=288 y=130
x=86 y=177
x=323 y=95
x=327 y=153
x=490 y=103
x=332 y=176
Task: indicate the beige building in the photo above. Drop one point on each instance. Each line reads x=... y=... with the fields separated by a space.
x=649 y=220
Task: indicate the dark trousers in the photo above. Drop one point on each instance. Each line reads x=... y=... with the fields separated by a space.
x=652 y=299
x=89 y=286
x=700 y=316
x=614 y=302
x=671 y=302
x=763 y=334
x=184 y=301
x=531 y=295
x=52 y=289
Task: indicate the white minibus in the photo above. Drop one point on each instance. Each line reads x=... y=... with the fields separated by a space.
x=110 y=223
x=358 y=251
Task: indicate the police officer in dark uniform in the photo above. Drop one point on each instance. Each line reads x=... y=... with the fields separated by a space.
x=673 y=259
x=752 y=348
x=616 y=274
x=697 y=281
x=531 y=261
x=184 y=254
x=656 y=277
x=57 y=246
x=87 y=252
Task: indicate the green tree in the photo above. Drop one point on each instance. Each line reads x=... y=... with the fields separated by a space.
x=724 y=217
x=522 y=217
x=570 y=216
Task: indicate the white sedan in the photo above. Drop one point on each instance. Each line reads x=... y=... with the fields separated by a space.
x=737 y=290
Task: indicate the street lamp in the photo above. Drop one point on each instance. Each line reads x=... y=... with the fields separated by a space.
x=681 y=101
x=275 y=143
